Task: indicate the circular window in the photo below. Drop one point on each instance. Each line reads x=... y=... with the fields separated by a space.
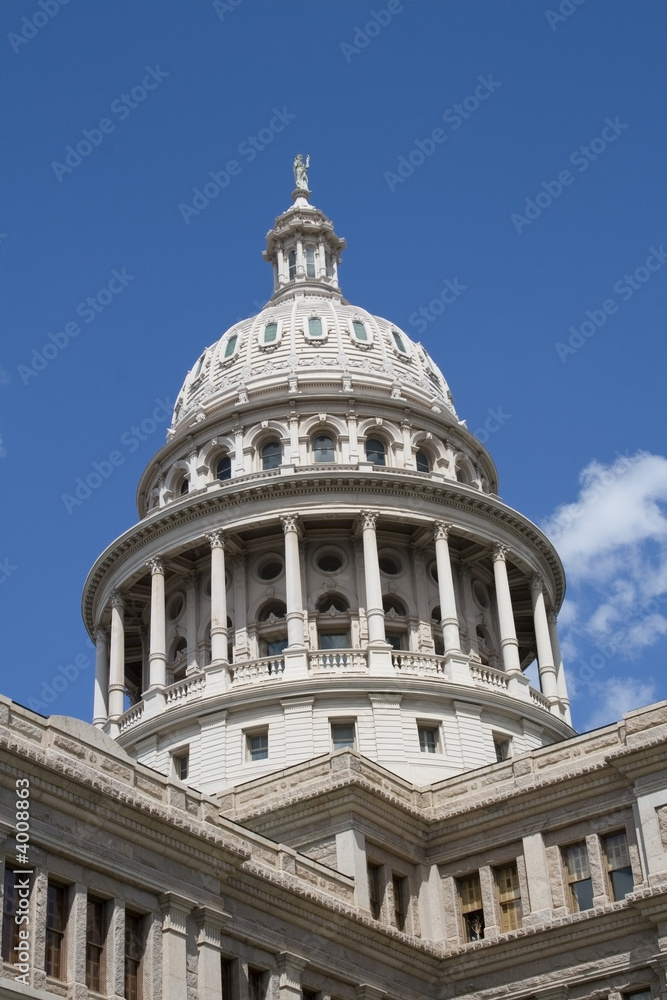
x=480 y=593
x=389 y=564
x=329 y=562
x=175 y=607
x=270 y=568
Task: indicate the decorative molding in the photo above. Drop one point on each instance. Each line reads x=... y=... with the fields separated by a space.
x=156 y=565
x=500 y=553
x=290 y=522
x=441 y=530
x=368 y=519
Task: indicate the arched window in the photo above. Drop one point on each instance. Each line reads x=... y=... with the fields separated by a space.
x=310 y=262
x=185 y=486
x=422 y=462
x=275 y=609
x=376 y=452
x=224 y=468
x=332 y=600
x=390 y=604
x=272 y=455
x=324 y=449
x=291 y=261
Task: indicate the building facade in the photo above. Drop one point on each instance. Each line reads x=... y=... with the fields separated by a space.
x=317 y=768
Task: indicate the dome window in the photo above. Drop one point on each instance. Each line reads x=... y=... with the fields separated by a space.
x=329 y=561
x=310 y=262
x=291 y=263
x=270 y=568
x=422 y=462
x=230 y=346
x=399 y=343
x=224 y=468
x=269 y=335
x=198 y=367
x=332 y=602
x=392 y=604
x=184 y=487
x=389 y=565
x=272 y=455
x=272 y=609
x=329 y=265
x=376 y=452
x=324 y=449
x=360 y=332
x=315 y=328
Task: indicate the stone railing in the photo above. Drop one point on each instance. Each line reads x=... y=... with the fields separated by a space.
x=185 y=690
x=338 y=661
x=131 y=717
x=539 y=699
x=269 y=668
x=488 y=676
x=418 y=664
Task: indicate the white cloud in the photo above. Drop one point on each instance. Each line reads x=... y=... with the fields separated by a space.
x=613 y=542
x=615 y=696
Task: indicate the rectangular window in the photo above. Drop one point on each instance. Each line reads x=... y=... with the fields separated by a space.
x=501 y=747
x=308 y=995
x=638 y=995
x=56 y=920
x=256 y=989
x=399 y=885
x=342 y=736
x=334 y=640
x=134 y=950
x=619 y=869
x=315 y=327
x=10 y=930
x=578 y=877
x=428 y=739
x=310 y=262
x=95 y=934
x=270 y=333
x=509 y=897
x=359 y=330
x=375 y=889
x=227 y=966
x=230 y=346
x=258 y=745
x=472 y=911
x=181 y=764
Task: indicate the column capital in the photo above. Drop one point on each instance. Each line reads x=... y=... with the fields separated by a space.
x=500 y=553
x=368 y=519
x=176 y=910
x=117 y=600
x=537 y=583
x=210 y=923
x=441 y=529
x=101 y=634
x=156 y=565
x=290 y=968
x=552 y=617
x=290 y=522
x=216 y=539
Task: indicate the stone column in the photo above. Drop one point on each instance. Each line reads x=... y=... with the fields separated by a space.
x=100 y=701
x=240 y=610
x=75 y=952
x=561 y=682
x=374 y=609
x=293 y=581
x=545 y=658
x=290 y=968
x=209 y=970
x=508 y=639
x=176 y=910
x=157 y=657
x=191 y=621
x=218 y=599
x=448 y=613
x=351 y=860
x=239 y=457
x=539 y=883
x=116 y=661
x=352 y=434
x=115 y=950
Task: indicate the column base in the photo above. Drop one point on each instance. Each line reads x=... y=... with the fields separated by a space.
x=457 y=668
x=218 y=678
x=518 y=687
x=154 y=702
x=296 y=663
x=379 y=659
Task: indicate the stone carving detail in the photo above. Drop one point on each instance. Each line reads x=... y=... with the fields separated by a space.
x=217 y=539
x=441 y=530
x=156 y=565
x=368 y=519
x=500 y=553
x=290 y=522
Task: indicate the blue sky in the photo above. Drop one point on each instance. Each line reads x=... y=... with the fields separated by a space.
x=542 y=195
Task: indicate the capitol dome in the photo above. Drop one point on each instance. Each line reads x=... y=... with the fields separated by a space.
x=322 y=561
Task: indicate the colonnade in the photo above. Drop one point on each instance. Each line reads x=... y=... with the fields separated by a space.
x=110 y=667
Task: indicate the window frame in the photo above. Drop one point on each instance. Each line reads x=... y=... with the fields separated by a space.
x=611 y=886
x=330 y=437
x=504 y=909
x=398 y=335
x=255 y=754
x=375 y=877
x=227 y=354
x=267 y=442
x=400 y=887
x=57 y=935
x=225 y=457
x=385 y=450
x=323 y=326
x=433 y=729
x=359 y=341
x=268 y=345
x=310 y=247
x=177 y=758
x=10 y=929
x=136 y=921
x=256 y=983
x=100 y=979
x=339 y=724
x=571 y=881
x=468 y=909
